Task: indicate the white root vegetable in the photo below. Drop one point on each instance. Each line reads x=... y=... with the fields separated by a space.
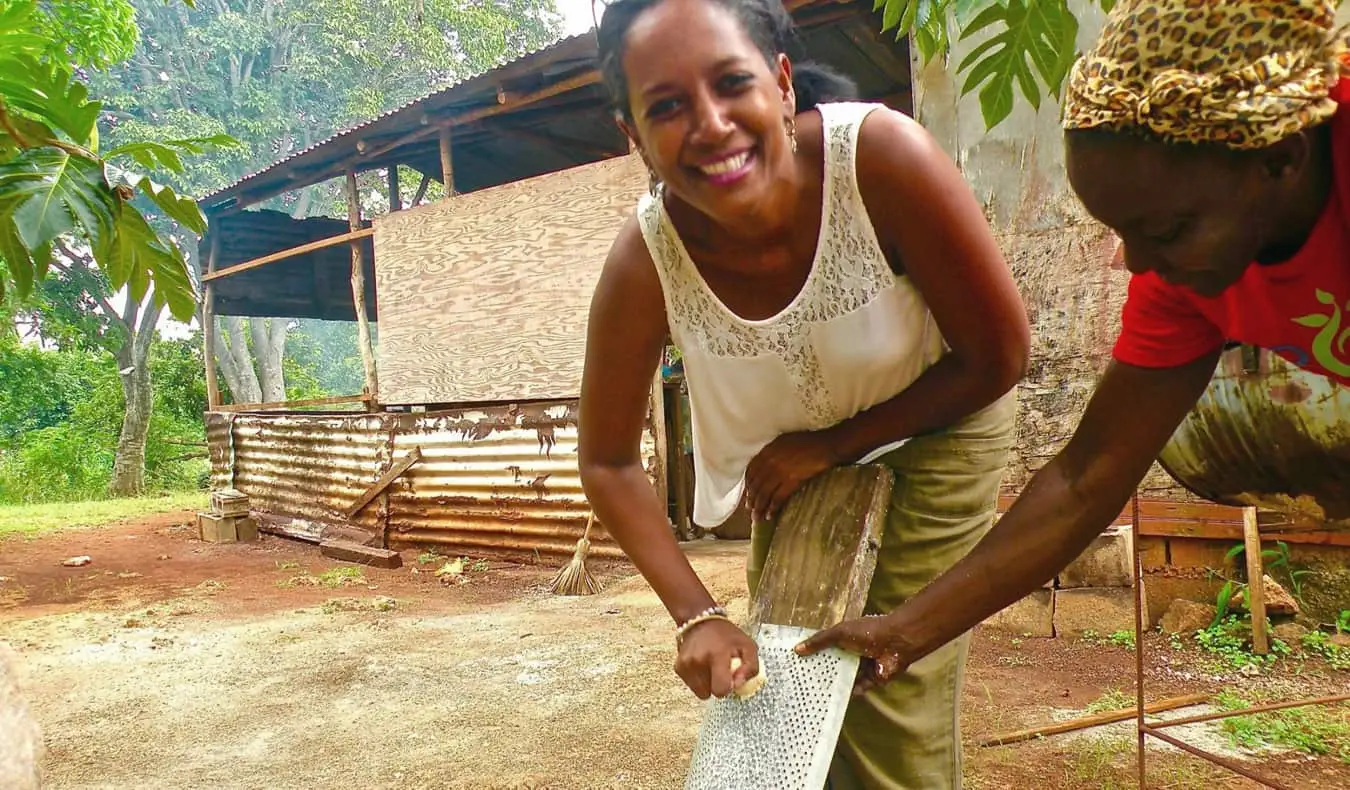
x=750 y=687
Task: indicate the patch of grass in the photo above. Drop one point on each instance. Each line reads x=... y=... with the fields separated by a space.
x=31 y=520
x=342 y=575
x=378 y=604
x=1115 y=699
x=1121 y=638
x=1318 y=730
x=1229 y=640
x=333 y=577
x=429 y=556
x=1097 y=762
x=287 y=565
x=1319 y=644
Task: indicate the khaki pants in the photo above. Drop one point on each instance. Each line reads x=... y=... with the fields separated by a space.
x=906 y=735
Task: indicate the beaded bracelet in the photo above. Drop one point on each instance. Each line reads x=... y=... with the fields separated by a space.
x=711 y=613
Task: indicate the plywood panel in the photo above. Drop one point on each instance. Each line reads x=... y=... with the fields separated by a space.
x=484 y=296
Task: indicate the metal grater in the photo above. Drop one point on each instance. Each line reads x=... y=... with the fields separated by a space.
x=783 y=737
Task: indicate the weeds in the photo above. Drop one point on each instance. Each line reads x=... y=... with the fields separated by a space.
x=1317 y=730
x=1115 y=699
x=333 y=577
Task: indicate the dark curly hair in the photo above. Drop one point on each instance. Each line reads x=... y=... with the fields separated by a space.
x=767 y=24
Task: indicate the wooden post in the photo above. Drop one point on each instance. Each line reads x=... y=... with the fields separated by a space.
x=447 y=163
x=679 y=474
x=209 y=322
x=1256 y=589
x=823 y=550
x=660 y=465
x=359 y=293
x=395 y=199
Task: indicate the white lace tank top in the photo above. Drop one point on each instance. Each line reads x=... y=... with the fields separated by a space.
x=853 y=337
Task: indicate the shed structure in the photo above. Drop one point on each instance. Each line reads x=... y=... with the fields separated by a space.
x=480 y=300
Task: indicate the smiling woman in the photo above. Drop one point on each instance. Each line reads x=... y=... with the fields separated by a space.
x=837 y=297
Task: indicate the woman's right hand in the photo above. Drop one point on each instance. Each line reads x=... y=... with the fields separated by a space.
x=704 y=659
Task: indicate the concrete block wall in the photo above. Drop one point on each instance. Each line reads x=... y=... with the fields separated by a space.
x=1094 y=593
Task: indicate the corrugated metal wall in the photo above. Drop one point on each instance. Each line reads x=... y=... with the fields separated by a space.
x=500 y=479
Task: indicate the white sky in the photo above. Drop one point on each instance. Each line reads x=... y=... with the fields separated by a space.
x=577 y=15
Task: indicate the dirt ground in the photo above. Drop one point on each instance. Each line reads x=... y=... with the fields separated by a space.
x=170 y=663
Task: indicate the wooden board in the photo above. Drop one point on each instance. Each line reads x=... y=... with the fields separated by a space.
x=361 y=554
x=484 y=296
x=824 y=550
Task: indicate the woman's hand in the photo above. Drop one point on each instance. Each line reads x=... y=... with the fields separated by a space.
x=783 y=467
x=704 y=660
x=877 y=638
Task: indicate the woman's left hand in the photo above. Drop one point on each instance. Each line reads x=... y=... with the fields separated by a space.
x=878 y=639
x=784 y=466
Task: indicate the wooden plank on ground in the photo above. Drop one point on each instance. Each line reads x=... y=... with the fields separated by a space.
x=413 y=456
x=362 y=555
x=824 y=550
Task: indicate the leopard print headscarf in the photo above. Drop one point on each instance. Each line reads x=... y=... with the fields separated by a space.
x=1240 y=73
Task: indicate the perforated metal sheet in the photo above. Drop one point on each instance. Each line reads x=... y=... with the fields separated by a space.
x=782 y=738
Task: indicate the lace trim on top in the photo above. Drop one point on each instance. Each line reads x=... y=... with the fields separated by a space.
x=847 y=273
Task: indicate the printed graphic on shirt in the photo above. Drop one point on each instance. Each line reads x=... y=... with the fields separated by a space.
x=1328 y=347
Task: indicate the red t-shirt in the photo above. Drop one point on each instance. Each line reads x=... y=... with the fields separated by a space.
x=1299 y=309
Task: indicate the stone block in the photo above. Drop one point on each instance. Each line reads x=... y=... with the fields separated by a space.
x=1107 y=562
x=245 y=529
x=1199 y=553
x=1186 y=617
x=214 y=528
x=1034 y=615
x=1152 y=553
x=229 y=502
x=1104 y=610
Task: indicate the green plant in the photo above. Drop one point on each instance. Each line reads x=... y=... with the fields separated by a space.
x=1317 y=643
x=1343 y=622
x=1029 y=45
x=1114 y=699
x=1229 y=638
x=1274 y=560
x=55 y=184
x=1320 y=730
x=1123 y=639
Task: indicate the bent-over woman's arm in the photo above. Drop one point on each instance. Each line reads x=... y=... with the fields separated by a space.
x=624 y=340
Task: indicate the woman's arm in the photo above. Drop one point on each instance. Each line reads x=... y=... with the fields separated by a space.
x=1067 y=503
x=624 y=338
x=925 y=215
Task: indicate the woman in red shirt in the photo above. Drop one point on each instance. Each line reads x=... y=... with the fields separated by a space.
x=1209 y=136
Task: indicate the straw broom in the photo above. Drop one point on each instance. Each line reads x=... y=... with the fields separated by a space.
x=574 y=578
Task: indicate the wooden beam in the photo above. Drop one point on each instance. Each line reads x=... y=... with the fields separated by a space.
x=209 y=322
x=1256 y=587
x=354 y=235
x=447 y=162
x=1096 y=720
x=291 y=404
x=660 y=467
x=824 y=549
x=402 y=465
x=359 y=292
x=395 y=199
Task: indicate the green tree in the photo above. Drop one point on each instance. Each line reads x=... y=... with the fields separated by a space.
x=85 y=211
x=281 y=75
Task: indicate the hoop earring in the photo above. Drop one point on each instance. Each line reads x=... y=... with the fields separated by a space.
x=792 y=133
x=653 y=183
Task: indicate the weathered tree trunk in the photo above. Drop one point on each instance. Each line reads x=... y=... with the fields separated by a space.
x=133 y=362
x=269 y=345
x=250 y=391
